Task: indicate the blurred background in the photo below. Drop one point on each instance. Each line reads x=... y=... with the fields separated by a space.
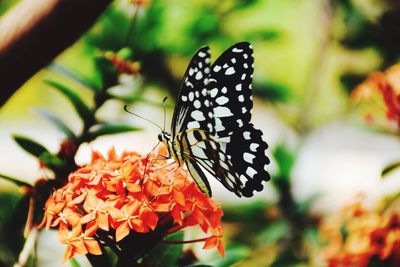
x=309 y=57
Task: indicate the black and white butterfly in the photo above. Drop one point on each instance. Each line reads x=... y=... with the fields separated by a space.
x=211 y=128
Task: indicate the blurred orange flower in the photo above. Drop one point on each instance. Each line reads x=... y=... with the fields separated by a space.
x=129 y=194
x=388 y=85
x=359 y=237
x=140 y=2
x=122 y=65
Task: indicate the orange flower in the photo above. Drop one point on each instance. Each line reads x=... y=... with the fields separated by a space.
x=126 y=196
x=78 y=241
x=359 y=237
x=388 y=85
x=121 y=65
x=140 y=2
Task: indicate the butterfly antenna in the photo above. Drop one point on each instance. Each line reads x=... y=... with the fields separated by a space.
x=134 y=114
x=165 y=113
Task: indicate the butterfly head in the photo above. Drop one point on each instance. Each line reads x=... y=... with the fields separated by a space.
x=164 y=137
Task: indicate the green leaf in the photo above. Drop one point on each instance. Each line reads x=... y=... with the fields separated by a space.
x=388 y=169
x=285 y=160
x=234 y=253
x=74 y=263
x=60 y=69
x=30 y=146
x=82 y=109
x=52 y=161
x=39 y=151
x=273 y=232
x=165 y=255
x=263 y=34
x=14 y=180
x=110 y=128
x=57 y=122
x=271 y=91
x=107 y=72
x=125 y=53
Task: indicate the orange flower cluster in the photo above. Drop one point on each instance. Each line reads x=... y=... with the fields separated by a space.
x=140 y=2
x=359 y=238
x=126 y=195
x=388 y=85
x=122 y=65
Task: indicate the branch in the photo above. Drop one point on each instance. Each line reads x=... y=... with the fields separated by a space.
x=34 y=32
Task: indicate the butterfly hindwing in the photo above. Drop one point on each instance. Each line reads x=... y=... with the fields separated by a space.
x=247 y=152
x=205 y=154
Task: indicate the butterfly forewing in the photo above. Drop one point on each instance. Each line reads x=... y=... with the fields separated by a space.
x=230 y=89
x=193 y=108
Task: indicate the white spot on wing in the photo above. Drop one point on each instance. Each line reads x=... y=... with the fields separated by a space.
x=243 y=179
x=222 y=100
x=214 y=92
x=191 y=96
x=199 y=75
x=197 y=104
x=253 y=147
x=210 y=127
x=184 y=98
x=221 y=112
x=217 y=68
x=251 y=172
x=224 y=90
x=189 y=84
x=238 y=87
x=202 y=54
x=237 y=50
x=248 y=157
x=225 y=139
x=218 y=125
x=198 y=115
x=241 y=98
x=193 y=124
x=230 y=71
x=246 y=135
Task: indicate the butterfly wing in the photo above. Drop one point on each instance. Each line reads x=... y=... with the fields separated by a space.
x=193 y=108
x=229 y=87
x=203 y=154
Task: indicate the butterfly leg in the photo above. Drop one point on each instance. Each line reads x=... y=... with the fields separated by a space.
x=163 y=180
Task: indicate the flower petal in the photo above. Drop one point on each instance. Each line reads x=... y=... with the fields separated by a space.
x=122 y=231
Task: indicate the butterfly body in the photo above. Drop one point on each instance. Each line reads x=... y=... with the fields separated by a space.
x=211 y=129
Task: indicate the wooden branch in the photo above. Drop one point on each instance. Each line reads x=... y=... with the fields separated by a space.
x=34 y=32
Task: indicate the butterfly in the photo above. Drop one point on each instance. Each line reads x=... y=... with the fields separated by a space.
x=211 y=130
